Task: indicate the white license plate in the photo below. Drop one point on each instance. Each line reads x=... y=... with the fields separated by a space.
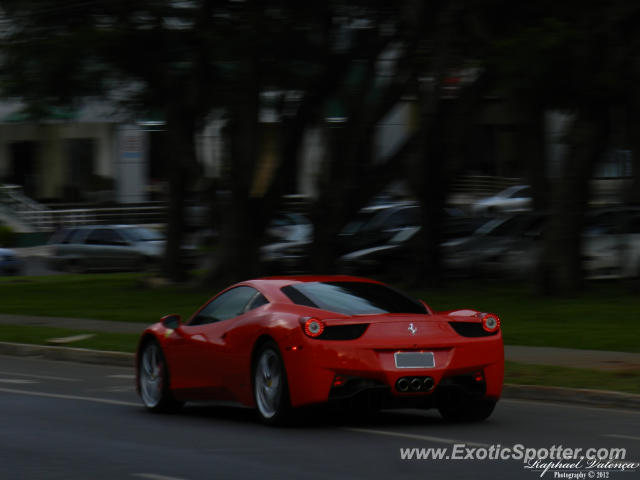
x=414 y=360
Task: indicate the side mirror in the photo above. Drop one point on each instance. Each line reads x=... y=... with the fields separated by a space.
x=172 y=321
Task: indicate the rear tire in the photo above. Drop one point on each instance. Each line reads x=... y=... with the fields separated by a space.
x=75 y=266
x=466 y=409
x=153 y=380
x=144 y=265
x=270 y=387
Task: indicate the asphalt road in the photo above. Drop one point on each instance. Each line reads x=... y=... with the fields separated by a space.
x=63 y=420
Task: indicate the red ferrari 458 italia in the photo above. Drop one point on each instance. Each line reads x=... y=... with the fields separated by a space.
x=284 y=342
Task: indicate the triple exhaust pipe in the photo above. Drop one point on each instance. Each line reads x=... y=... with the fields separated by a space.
x=414 y=384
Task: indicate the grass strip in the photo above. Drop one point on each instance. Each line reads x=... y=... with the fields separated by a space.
x=117 y=342
x=627 y=381
x=605 y=318
x=124 y=297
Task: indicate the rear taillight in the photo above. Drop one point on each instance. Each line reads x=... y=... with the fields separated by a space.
x=313 y=327
x=491 y=323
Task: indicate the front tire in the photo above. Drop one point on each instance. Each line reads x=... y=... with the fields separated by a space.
x=270 y=388
x=153 y=380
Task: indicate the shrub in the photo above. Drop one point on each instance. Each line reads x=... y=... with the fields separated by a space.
x=6 y=236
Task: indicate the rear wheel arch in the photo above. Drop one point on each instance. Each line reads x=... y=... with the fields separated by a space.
x=269 y=382
x=260 y=341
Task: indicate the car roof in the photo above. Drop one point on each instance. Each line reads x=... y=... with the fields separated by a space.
x=271 y=286
x=284 y=280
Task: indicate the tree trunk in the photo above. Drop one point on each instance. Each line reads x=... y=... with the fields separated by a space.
x=561 y=264
x=182 y=162
x=533 y=146
x=242 y=219
x=632 y=195
x=429 y=180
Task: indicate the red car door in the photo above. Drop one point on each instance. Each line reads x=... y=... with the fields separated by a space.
x=200 y=358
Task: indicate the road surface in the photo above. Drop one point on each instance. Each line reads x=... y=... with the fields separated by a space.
x=68 y=421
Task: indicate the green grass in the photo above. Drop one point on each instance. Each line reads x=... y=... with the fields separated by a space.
x=121 y=297
x=621 y=381
x=607 y=317
x=117 y=342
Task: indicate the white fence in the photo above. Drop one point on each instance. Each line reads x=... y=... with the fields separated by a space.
x=29 y=215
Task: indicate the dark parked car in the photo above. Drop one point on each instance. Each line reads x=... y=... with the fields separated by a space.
x=372 y=226
x=10 y=263
x=375 y=226
x=502 y=246
x=399 y=251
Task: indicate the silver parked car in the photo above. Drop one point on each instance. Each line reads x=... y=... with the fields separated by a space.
x=512 y=199
x=612 y=243
x=106 y=247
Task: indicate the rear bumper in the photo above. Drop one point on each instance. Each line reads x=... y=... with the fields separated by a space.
x=312 y=370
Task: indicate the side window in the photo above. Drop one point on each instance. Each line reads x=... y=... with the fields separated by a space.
x=94 y=237
x=407 y=217
x=104 y=236
x=76 y=236
x=257 y=301
x=228 y=305
x=67 y=236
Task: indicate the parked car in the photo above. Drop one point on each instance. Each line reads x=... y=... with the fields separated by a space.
x=612 y=243
x=395 y=253
x=511 y=246
x=372 y=226
x=399 y=251
x=106 y=247
x=376 y=225
x=277 y=344
x=502 y=246
x=512 y=199
x=290 y=227
x=10 y=262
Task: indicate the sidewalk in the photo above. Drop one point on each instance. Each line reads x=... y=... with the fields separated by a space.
x=564 y=357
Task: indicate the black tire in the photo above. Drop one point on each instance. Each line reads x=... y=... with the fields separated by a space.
x=270 y=386
x=143 y=265
x=153 y=380
x=75 y=266
x=466 y=409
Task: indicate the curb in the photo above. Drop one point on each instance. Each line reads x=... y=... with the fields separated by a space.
x=81 y=355
x=575 y=396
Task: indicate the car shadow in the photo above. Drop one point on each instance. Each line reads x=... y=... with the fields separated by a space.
x=318 y=417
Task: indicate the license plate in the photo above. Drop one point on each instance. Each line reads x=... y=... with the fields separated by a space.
x=414 y=360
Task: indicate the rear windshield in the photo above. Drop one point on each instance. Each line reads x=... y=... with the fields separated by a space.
x=352 y=298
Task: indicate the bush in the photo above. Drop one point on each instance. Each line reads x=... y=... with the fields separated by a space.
x=6 y=236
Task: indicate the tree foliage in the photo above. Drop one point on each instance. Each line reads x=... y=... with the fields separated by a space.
x=184 y=59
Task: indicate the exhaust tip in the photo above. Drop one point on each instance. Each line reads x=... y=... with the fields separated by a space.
x=427 y=384
x=416 y=384
x=402 y=384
